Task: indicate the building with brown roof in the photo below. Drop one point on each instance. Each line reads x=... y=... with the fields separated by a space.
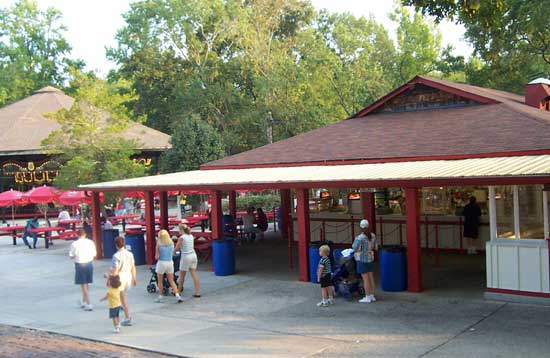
x=23 y=160
x=418 y=155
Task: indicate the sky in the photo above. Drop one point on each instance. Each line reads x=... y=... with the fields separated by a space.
x=92 y=24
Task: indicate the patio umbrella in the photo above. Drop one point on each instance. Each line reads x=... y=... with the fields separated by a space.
x=43 y=195
x=74 y=197
x=12 y=198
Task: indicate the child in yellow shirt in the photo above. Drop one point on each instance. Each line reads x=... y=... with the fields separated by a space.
x=113 y=298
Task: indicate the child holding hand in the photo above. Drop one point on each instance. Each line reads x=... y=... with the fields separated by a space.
x=113 y=298
x=324 y=276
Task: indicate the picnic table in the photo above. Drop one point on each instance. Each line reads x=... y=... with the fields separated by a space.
x=46 y=231
x=192 y=221
x=123 y=218
x=71 y=222
x=12 y=230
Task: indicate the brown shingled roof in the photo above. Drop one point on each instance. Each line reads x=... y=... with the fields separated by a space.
x=503 y=125
x=24 y=125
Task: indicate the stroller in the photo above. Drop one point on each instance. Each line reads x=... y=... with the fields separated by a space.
x=152 y=287
x=345 y=279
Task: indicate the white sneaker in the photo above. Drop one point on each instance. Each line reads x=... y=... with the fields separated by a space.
x=372 y=298
x=116 y=330
x=81 y=304
x=180 y=299
x=127 y=322
x=159 y=299
x=330 y=302
x=88 y=308
x=322 y=304
x=365 y=299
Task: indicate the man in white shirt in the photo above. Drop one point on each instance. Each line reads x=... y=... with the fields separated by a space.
x=83 y=252
x=63 y=215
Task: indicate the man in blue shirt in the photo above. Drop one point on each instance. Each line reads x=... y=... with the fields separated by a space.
x=31 y=224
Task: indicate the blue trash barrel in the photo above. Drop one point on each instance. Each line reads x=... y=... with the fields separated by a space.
x=228 y=225
x=313 y=261
x=135 y=243
x=223 y=257
x=337 y=255
x=393 y=268
x=109 y=248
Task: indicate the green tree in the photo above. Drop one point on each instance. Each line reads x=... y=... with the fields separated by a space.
x=194 y=142
x=33 y=50
x=89 y=139
x=511 y=37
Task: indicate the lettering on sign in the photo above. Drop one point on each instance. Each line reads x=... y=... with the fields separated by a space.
x=30 y=173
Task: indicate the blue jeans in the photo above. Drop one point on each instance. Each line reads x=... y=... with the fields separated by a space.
x=31 y=234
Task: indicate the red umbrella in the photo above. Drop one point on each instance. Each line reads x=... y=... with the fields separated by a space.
x=74 y=197
x=12 y=198
x=43 y=195
x=134 y=194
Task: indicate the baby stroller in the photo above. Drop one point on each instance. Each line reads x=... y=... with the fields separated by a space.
x=345 y=279
x=152 y=287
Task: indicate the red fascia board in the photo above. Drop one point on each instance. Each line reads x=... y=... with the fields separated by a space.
x=428 y=83
x=408 y=183
x=518 y=293
x=379 y=161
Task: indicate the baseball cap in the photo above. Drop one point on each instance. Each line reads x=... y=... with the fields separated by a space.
x=364 y=224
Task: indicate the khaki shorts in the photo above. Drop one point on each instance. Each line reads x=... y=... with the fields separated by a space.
x=188 y=261
x=164 y=267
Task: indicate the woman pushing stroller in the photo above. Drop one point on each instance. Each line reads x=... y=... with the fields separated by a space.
x=165 y=265
x=364 y=246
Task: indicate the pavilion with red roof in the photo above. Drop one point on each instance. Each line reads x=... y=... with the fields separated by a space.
x=437 y=142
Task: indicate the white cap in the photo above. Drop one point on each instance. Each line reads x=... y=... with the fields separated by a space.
x=364 y=224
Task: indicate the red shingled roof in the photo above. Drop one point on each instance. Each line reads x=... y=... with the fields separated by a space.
x=501 y=123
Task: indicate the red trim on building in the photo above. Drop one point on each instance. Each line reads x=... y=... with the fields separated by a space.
x=380 y=160
x=302 y=213
x=163 y=203
x=414 y=251
x=96 y=225
x=426 y=82
x=150 y=227
x=518 y=293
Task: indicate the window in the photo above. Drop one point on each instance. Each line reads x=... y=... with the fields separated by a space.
x=531 y=219
x=504 y=200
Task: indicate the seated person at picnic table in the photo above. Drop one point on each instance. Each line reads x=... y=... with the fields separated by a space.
x=248 y=224
x=63 y=215
x=31 y=224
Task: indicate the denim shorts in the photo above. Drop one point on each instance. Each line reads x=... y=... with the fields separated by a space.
x=84 y=273
x=114 y=312
x=364 y=267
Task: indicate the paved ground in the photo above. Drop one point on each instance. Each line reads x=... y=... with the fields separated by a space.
x=264 y=312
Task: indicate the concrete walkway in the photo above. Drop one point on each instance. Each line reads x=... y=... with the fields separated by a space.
x=257 y=315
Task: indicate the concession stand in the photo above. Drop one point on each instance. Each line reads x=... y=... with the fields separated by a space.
x=408 y=163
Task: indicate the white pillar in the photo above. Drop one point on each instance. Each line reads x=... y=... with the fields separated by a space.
x=545 y=212
x=492 y=213
x=516 y=211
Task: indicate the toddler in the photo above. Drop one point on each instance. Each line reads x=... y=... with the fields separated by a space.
x=324 y=276
x=113 y=298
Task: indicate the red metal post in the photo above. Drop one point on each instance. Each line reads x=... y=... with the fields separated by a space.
x=414 y=252
x=96 y=225
x=352 y=229
x=436 y=245
x=233 y=204
x=302 y=212
x=217 y=230
x=369 y=209
x=285 y=212
x=381 y=231
x=150 y=228
x=400 y=234
x=163 y=201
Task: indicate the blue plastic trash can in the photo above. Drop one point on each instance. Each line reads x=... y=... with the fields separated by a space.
x=223 y=257
x=135 y=243
x=314 y=259
x=393 y=268
x=109 y=248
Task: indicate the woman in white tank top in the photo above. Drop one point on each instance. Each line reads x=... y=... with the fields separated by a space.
x=188 y=261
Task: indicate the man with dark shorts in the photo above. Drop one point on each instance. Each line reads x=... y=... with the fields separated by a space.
x=83 y=252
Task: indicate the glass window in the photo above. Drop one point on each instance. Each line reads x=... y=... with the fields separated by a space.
x=531 y=220
x=504 y=198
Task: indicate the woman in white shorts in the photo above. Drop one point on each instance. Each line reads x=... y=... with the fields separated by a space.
x=165 y=265
x=188 y=260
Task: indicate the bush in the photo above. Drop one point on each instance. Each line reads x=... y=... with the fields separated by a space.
x=264 y=201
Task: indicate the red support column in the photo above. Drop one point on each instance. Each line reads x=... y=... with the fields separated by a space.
x=369 y=209
x=233 y=204
x=217 y=230
x=150 y=228
x=302 y=213
x=163 y=210
x=96 y=225
x=285 y=212
x=414 y=252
